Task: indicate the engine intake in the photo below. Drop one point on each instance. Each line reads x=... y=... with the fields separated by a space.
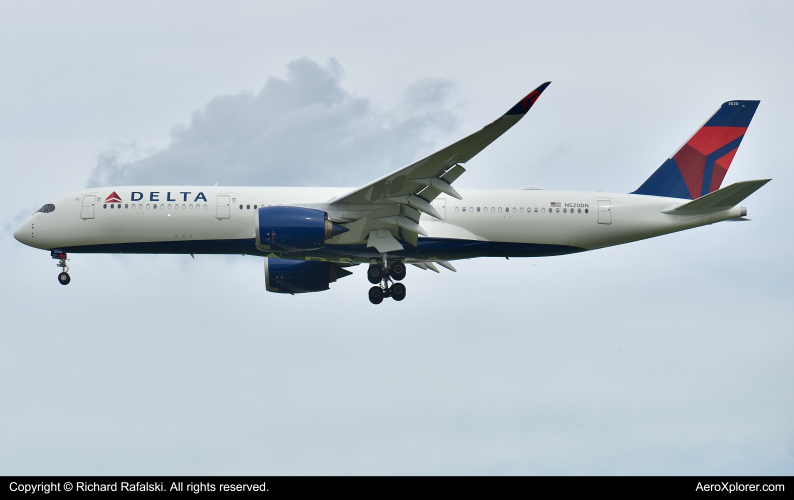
x=293 y=228
x=297 y=276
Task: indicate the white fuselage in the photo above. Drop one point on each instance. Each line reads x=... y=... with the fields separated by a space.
x=192 y=220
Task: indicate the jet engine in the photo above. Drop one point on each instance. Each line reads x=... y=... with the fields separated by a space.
x=299 y=276
x=293 y=229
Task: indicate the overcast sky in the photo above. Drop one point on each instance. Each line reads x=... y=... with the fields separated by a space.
x=666 y=356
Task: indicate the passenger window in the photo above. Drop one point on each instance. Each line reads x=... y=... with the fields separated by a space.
x=456 y=209
x=471 y=209
x=478 y=209
x=585 y=210
x=126 y=206
x=254 y=207
x=169 y=206
x=147 y=205
x=105 y=205
x=536 y=210
x=580 y=210
x=564 y=210
x=205 y=207
x=154 y=206
x=558 y=210
x=522 y=210
x=514 y=209
x=493 y=209
x=542 y=210
x=500 y=209
x=464 y=209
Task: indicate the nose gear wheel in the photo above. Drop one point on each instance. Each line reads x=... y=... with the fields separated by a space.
x=63 y=276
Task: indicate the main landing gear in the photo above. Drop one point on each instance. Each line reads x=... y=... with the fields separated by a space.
x=383 y=277
x=63 y=277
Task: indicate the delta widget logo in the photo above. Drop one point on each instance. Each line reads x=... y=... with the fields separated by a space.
x=113 y=198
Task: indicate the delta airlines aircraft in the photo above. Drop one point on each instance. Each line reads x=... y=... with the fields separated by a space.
x=309 y=237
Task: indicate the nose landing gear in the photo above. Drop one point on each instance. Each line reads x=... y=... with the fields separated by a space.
x=383 y=276
x=63 y=277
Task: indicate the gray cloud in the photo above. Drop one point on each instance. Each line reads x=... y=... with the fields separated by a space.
x=304 y=129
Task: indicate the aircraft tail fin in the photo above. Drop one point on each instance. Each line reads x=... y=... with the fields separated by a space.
x=700 y=165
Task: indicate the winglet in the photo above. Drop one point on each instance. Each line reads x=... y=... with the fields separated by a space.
x=524 y=104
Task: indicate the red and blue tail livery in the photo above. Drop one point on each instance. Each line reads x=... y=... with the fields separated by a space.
x=700 y=165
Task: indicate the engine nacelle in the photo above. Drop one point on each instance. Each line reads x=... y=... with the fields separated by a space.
x=299 y=276
x=293 y=229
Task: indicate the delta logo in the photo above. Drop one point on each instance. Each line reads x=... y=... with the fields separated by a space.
x=113 y=198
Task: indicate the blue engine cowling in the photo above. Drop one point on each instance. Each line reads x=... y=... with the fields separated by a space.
x=293 y=228
x=298 y=276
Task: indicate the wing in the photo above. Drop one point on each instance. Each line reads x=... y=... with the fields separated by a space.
x=395 y=201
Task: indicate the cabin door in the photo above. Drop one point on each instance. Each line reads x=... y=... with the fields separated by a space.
x=604 y=212
x=224 y=210
x=87 y=211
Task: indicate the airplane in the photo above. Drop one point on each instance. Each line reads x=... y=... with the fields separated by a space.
x=310 y=237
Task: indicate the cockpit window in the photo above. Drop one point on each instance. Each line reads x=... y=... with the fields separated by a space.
x=49 y=207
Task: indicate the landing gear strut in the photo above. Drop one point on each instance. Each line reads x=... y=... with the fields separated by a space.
x=383 y=276
x=63 y=277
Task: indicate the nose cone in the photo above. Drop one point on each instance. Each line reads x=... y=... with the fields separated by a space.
x=24 y=233
x=18 y=234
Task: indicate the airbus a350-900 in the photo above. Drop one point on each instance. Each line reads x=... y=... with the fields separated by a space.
x=310 y=237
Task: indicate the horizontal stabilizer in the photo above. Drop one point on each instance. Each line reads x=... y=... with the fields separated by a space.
x=722 y=199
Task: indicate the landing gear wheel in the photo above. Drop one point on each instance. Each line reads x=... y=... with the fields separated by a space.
x=376 y=295
x=375 y=274
x=397 y=271
x=398 y=291
x=64 y=278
